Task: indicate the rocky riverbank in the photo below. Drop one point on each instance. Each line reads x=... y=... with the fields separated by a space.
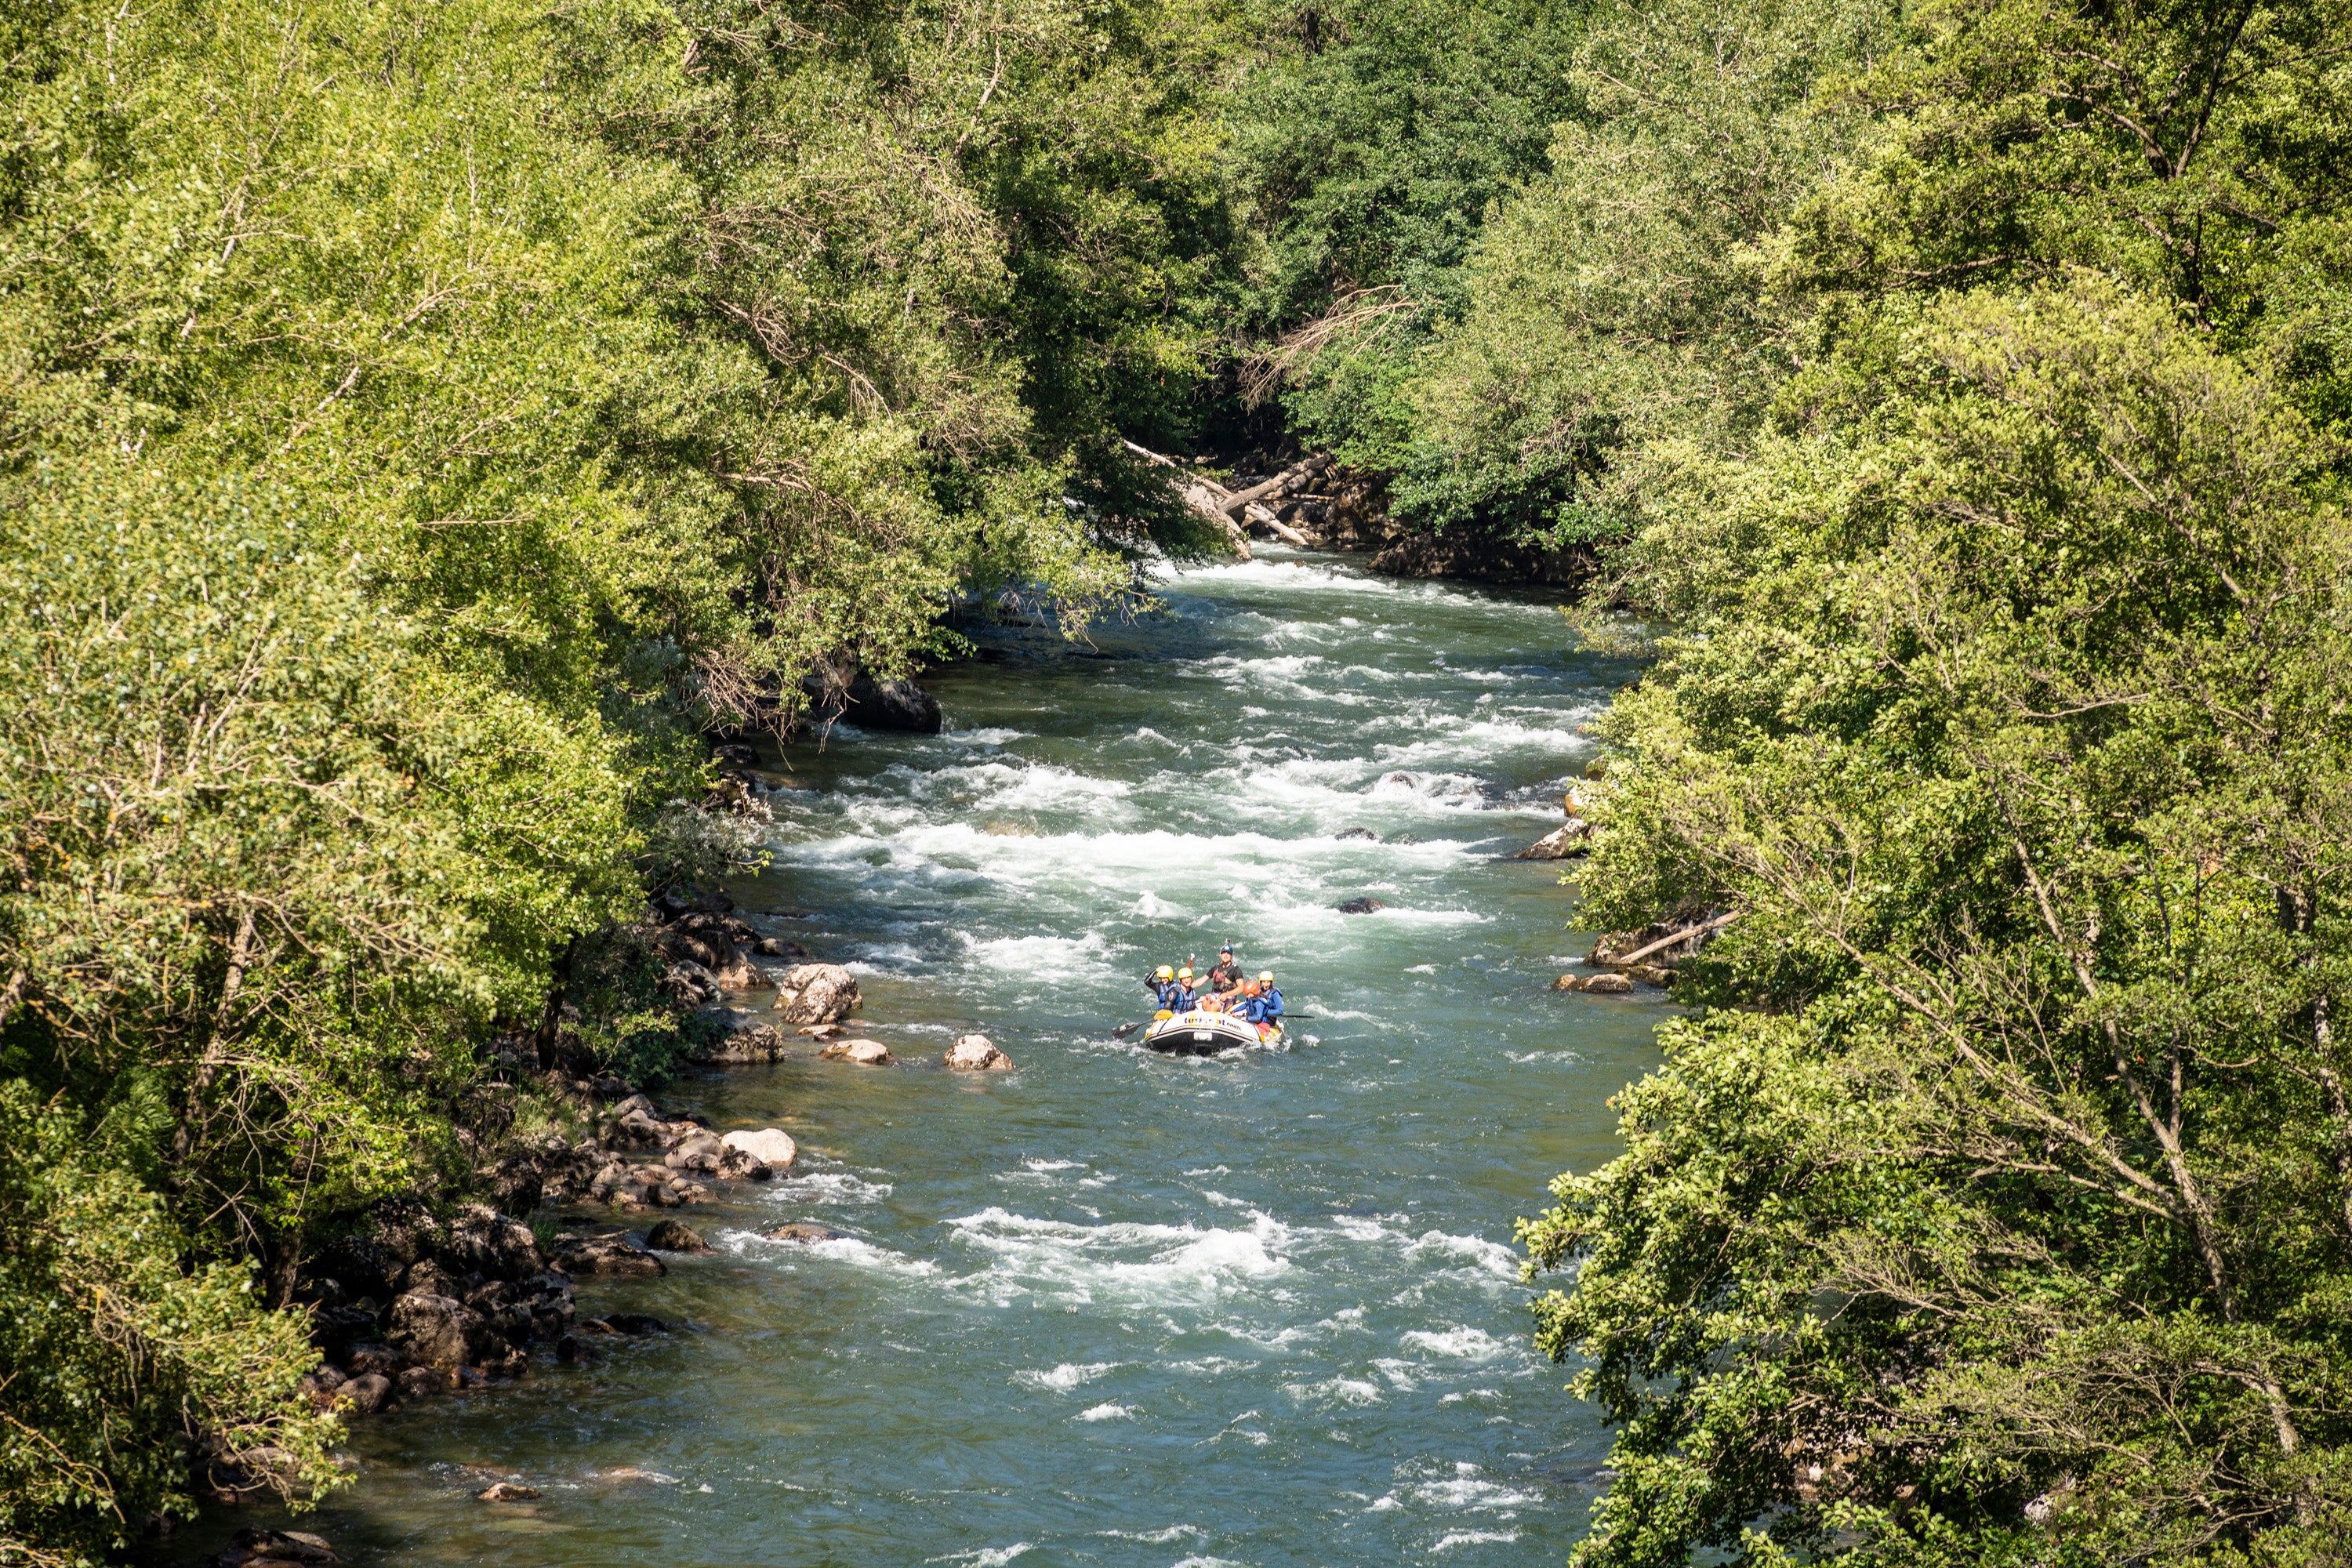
x=422 y=1303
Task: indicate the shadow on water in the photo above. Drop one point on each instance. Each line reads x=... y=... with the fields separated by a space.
x=1115 y=1308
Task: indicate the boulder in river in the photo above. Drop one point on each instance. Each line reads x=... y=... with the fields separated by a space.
x=675 y=1236
x=891 y=705
x=605 y=1255
x=505 y=1491
x=419 y=1383
x=1571 y=838
x=977 y=1053
x=689 y=983
x=771 y=1146
x=435 y=1330
x=864 y=1053
x=803 y=1231
x=364 y=1395
x=1356 y=833
x=816 y=993
x=1361 y=906
x=1603 y=984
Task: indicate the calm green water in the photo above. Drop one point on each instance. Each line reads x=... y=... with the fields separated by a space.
x=1118 y=1309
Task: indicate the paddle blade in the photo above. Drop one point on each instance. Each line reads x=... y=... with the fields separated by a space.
x=1125 y=1029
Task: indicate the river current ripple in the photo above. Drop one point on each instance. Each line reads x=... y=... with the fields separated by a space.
x=1116 y=1309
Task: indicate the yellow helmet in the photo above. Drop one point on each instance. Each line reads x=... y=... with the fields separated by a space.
x=1185 y=973
x=1165 y=974
x=1266 y=977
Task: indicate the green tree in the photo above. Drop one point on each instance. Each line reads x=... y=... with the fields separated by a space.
x=2021 y=1221
x=1620 y=337
x=1996 y=1210
x=117 y=1363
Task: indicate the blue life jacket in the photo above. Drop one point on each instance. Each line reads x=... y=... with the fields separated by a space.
x=1171 y=994
x=1269 y=1003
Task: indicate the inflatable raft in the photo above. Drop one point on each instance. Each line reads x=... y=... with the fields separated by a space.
x=1198 y=1033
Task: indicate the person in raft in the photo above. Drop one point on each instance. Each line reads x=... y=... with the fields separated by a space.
x=1225 y=979
x=1262 y=1005
x=1165 y=991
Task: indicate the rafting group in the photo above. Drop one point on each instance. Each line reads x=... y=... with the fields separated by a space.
x=1202 y=1014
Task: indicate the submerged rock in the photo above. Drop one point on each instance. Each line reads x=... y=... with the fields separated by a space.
x=609 y=1254
x=976 y=1053
x=803 y=1231
x=505 y=1491
x=259 y=1548
x=675 y=1236
x=1594 y=984
x=1361 y=906
x=1356 y=833
x=816 y=993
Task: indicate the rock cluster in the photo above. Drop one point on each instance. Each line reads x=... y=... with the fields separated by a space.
x=665 y=1164
x=729 y=1036
x=709 y=947
x=462 y=1301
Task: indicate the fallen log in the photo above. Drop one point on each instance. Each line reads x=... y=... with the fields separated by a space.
x=1258 y=514
x=1663 y=942
x=1297 y=474
x=1202 y=494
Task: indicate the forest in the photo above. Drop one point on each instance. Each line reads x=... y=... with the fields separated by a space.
x=424 y=426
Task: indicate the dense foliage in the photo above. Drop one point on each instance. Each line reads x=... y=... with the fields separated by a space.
x=1996 y=1203
x=418 y=423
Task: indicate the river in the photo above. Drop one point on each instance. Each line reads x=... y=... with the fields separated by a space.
x=1118 y=1309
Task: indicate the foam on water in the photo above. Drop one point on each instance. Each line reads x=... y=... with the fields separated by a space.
x=1069 y=1375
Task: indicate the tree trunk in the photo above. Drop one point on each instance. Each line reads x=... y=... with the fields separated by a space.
x=184 y=1141
x=550 y=1016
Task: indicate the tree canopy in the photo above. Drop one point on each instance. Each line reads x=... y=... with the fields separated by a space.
x=1995 y=1203
x=421 y=426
